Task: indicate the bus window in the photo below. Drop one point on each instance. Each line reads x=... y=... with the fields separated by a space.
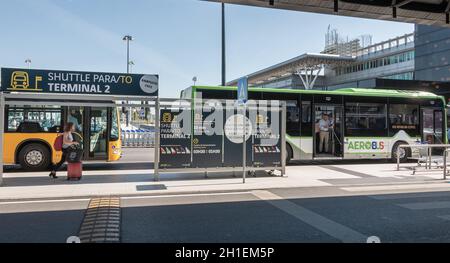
x=292 y=118
x=306 y=126
x=27 y=119
x=404 y=117
x=365 y=119
x=216 y=94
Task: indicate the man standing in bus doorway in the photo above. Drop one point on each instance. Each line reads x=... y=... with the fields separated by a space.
x=73 y=118
x=324 y=133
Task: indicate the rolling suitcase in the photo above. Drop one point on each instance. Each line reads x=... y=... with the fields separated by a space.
x=74 y=171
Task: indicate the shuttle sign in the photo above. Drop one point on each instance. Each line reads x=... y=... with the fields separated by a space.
x=76 y=82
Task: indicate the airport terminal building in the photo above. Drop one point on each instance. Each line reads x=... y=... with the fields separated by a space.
x=418 y=60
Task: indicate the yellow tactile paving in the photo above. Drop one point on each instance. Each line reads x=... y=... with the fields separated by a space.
x=102 y=221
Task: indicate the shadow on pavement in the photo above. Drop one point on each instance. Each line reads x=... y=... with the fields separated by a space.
x=130 y=177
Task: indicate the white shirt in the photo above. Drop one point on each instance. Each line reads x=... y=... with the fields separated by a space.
x=69 y=137
x=324 y=125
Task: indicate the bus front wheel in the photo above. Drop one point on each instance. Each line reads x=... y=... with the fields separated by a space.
x=289 y=154
x=34 y=157
x=404 y=152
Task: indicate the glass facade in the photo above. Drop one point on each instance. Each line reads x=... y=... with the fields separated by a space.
x=375 y=63
x=401 y=76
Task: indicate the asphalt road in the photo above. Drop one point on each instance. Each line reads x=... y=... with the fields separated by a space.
x=420 y=217
x=40 y=222
x=278 y=215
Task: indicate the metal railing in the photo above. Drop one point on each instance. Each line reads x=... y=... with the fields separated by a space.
x=429 y=160
x=138 y=138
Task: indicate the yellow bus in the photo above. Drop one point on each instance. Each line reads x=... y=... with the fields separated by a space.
x=30 y=132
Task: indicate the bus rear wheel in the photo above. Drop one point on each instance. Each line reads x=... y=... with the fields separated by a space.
x=34 y=157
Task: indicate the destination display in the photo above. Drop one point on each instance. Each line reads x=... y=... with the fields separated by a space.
x=175 y=145
x=267 y=139
x=77 y=82
x=206 y=143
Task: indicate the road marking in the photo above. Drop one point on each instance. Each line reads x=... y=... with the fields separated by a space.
x=410 y=195
x=346 y=171
x=101 y=223
x=334 y=229
x=445 y=217
x=395 y=187
x=183 y=195
x=426 y=205
x=43 y=201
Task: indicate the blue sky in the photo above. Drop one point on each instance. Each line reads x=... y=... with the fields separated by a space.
x=177 y=39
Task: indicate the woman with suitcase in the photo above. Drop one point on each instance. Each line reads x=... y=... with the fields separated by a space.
x=66 y=143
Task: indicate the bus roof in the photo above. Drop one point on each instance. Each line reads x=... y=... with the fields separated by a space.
x=343 y=91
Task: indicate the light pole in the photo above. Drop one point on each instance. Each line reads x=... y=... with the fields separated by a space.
x=194 y=79
x=128 y=38
x=223 y=47
x=28 y=62
x=131 y=64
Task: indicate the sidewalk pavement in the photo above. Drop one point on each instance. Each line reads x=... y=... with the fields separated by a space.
x=20 y=186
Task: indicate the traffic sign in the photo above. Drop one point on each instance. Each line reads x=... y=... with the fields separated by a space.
x=78 y=82
x=242 y=90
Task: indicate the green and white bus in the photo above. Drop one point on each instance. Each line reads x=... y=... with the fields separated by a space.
x=363 y=123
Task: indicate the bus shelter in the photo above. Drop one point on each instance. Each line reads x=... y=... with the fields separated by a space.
x=98 y=101
x=219 y=135
x=92 y=90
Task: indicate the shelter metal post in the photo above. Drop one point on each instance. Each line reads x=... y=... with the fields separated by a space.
x=2 y=129
x=244 y=142
x=283 y=138
x=157 y=141
x=445 y=163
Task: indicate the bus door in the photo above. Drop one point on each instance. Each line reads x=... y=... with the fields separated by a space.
x=91 y=124
x=96 y=147
x=432 y=127
x=328 y=131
